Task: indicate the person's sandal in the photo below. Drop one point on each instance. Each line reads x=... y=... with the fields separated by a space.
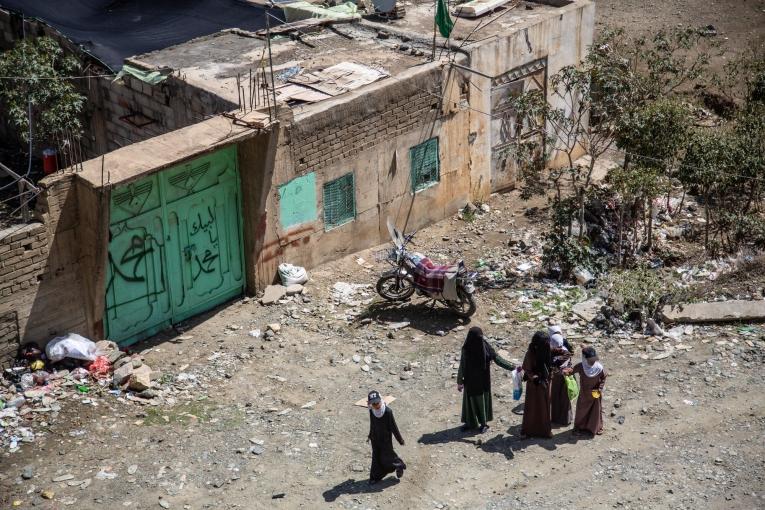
x=483 y=428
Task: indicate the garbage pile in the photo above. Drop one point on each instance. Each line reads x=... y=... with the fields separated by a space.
x=70 y=367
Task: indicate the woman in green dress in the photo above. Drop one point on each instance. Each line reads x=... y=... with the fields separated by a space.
x=474 y=377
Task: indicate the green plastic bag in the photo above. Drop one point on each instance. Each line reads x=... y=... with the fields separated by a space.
x=571 y=386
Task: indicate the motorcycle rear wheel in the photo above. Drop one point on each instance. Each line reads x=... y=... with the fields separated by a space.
x=465 y=305
x=394 y=287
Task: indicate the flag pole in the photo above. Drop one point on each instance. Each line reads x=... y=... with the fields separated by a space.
x=435 y=10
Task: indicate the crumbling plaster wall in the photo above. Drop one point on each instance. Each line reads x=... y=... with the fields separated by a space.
x=370 y=133
x=40 y=276
x=563 y=40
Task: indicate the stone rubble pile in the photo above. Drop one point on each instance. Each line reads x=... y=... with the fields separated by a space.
x=32 y=400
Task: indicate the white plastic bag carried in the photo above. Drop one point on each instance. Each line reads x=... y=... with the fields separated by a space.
x=290 y=275
x=71 y=345
x=517 y=383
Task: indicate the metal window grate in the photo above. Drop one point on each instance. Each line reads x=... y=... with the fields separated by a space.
x=339 y=201
x=425 y=165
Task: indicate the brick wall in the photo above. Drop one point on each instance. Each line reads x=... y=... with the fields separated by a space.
x=9 y=336
x=41 y=291
x=165 y=107
x=23 y=250
x=331 y=135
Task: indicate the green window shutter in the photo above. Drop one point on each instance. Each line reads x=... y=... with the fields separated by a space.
x=425 y=166
x=339 y=201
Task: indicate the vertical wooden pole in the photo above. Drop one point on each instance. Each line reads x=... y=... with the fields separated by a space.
x=271 y=61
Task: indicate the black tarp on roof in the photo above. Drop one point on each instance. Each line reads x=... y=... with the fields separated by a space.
x=112 y=30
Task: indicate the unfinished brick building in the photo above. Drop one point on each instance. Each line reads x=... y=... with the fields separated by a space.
x=367 y=126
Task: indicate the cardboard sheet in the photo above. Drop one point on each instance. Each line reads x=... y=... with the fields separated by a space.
x=363 y=401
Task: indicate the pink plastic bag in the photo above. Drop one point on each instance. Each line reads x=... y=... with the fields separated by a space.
x=100 y=368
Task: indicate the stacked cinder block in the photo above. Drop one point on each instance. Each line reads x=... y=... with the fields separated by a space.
x=334 y=134
x=171 y=104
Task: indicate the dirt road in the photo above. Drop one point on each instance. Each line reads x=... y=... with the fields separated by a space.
x=270 y=424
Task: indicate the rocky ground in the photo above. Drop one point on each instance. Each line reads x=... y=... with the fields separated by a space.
x=237 y=419
x=244 y=421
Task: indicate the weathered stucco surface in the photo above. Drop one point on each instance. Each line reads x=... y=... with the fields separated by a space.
x=369 y=132
x=562 y=40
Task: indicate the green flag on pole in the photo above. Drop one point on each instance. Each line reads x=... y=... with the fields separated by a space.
x=444 y=22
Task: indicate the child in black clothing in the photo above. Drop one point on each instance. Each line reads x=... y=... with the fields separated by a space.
x=382 y=426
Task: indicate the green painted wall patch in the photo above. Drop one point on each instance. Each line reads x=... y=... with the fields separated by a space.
x=297 y=201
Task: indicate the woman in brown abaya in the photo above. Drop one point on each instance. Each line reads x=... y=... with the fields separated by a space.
x=589 y=405
x=537 y=367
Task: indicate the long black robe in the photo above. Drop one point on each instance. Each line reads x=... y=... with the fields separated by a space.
x=475 y=374
x=384 y=459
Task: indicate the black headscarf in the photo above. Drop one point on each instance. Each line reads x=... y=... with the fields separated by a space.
x=540 y=353
x=478 y=355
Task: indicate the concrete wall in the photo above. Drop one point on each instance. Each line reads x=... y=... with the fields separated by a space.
x=41 y=283
x=369 y=132
x=563 y=40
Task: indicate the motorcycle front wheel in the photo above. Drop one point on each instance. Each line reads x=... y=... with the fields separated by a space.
x=394 y=287
x=465 y=305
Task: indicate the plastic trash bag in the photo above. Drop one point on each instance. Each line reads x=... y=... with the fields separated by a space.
x=100 y=368
x=571 y=386
x=517 y=384
x=291 y=275
x=27 y=381
x=80 y=374
x=72 y=346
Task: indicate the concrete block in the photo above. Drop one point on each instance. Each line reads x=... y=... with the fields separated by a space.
x=122 y=374
x=140 y=379
x=718 y=311
x=272 y=294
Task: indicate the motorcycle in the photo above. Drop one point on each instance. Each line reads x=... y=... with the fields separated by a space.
x=399 y=283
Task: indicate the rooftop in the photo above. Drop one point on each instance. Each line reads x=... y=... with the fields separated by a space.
x=136 y=160
x=511 y=16
x=316 y=59
x=307 y=68
x=112 y=31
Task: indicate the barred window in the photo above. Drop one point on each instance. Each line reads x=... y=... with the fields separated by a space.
x=425 y=167
x=339 y=201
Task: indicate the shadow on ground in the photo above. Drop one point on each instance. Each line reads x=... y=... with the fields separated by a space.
x=175 y=334
x=497 y=444
x=506 y=444
x=351 y=486
x=418 y=312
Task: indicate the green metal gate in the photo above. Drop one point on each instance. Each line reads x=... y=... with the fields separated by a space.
x=175 y=246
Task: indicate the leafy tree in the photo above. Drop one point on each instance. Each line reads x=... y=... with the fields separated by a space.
x=637 y=186
x=656 y=134
x=41 y=66
x=620 y=95
x=671 y=59
x=707 y=164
